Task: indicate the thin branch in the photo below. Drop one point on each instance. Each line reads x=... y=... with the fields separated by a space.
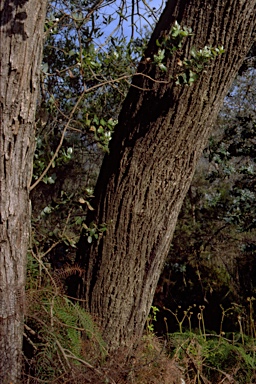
x=63 y=353
x=60 y=143
x=88 y=365
x=46 y=270
x=50 y=249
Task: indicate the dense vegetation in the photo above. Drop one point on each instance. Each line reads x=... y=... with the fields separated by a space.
x=204 y=305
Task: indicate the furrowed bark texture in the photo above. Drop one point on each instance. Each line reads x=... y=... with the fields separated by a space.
x=21 y=36
x=160 y=136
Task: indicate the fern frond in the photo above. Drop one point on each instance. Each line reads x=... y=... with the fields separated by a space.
x=63 y=273
x=91 y=330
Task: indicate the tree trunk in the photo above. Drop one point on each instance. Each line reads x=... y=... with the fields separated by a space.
x=162 y=130
x=21 y=36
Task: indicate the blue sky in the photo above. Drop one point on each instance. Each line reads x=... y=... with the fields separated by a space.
x=146 y=13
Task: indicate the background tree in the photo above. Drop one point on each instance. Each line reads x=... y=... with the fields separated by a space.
x=21 y=29
x=162 y=129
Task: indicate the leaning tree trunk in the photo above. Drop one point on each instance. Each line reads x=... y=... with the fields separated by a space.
x=21 y=36
x=162 y=130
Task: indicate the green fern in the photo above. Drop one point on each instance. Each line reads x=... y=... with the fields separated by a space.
x=91 y=330
x=70 y=324
x=57 y=326
x=77 y=323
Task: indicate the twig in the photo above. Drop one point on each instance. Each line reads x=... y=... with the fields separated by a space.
x=44 y=267
x=227 y=376
x=63 y=353
x=88 y=365
x=50 y=249
x=60 y=143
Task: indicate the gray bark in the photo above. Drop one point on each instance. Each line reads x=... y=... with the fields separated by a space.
x=162 y=130
x=21 y=36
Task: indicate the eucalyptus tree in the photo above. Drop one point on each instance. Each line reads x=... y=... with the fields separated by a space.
x=21 y=34
x=190 y=62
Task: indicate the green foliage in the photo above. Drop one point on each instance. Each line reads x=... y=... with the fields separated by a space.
x=212 y=356
x=94 y=231
x=152 y=318
x=170 y=43
x=192 y=67
x=56 y=327
x=200 y=58
x=76 y=320
x=85 y=76
x=159 y=58
x=42 y=157
x=102 y=130
x=197 y=64
x=173 y=40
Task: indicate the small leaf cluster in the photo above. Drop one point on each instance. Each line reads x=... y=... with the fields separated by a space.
x=102 y=129
x=94 y=231
x=173 y=40
x=197 y=63
x=51 y=23
x=152 y=318
x=42 y=157
x=170 y=43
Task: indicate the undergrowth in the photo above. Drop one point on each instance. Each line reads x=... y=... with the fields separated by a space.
x=212 y=359
x=62 y=343
x=57 y=329
x=215 y=358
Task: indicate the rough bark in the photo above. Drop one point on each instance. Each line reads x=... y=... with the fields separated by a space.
x=21 y=36
x=161 y=133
